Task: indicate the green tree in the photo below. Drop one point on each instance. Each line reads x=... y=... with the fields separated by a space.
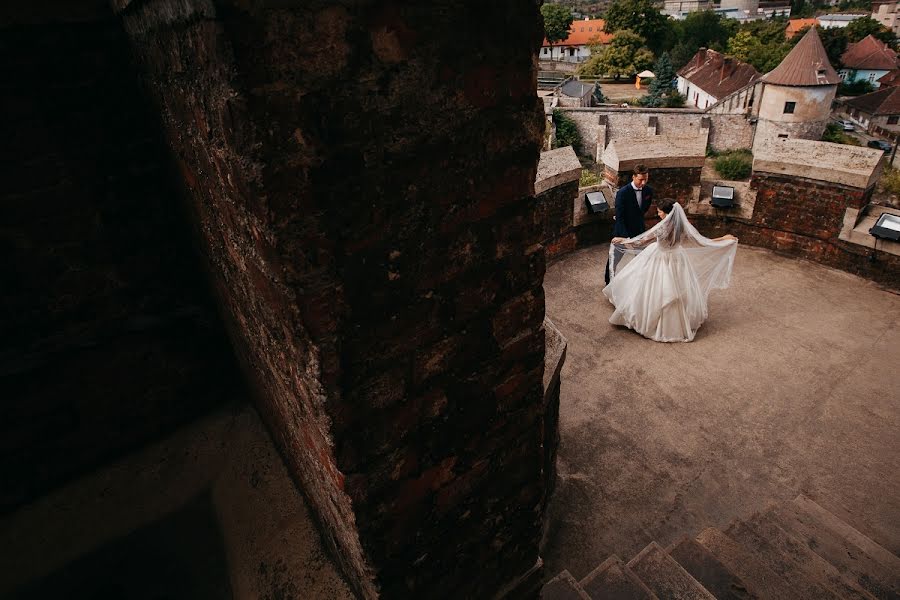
x=599 y=98
x=642 y=17
x=557 y=21
x=566 y=131
x=663 y=84
x=859 y=28
x=707 y=29
x=763 y=55
x=625 y=55
x=835 y=42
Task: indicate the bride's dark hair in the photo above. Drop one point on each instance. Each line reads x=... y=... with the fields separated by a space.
x=671 y=231
x=665 y=204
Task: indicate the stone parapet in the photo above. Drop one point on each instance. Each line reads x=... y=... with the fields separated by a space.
x=659 y=151
x=555 y=168
x=839 y=164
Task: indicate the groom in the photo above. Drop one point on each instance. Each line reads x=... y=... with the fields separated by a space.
x=632 y=201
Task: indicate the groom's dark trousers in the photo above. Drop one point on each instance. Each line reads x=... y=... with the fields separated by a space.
x=629 y=216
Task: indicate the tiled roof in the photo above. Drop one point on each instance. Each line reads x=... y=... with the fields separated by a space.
x=885 y=101
x=890 y=78
x=795 y=25
x=585 y=32
x=871 y=54
x=576 y=89
x=806 y=64
x=716 y=74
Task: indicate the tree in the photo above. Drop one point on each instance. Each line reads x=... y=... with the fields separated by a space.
x=763 y=55
x=834 y=39
x=707 y=29
x=859 y=28
x=566 y=131
x=625 y=55
x=557 y=21
x=640 y=16
x=599 y=98
x=662 y=85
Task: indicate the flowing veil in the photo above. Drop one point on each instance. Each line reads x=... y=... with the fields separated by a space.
x=711 y=261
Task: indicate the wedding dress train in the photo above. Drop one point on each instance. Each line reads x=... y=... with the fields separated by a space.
x=661 y=279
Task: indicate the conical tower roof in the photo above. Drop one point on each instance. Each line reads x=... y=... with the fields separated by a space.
x=806 y=64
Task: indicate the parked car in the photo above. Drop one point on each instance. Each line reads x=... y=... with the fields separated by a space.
x=881 y=145
x=846 y=125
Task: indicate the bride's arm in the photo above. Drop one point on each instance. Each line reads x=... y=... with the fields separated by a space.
x=628 y=243
x=724 y=238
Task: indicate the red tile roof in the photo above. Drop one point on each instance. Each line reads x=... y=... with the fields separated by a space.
x=885 y=101
x=584 y=33
x=890 y=78
x=806 y=64
x=870 y=54
x=716 y=74
x=795 y=25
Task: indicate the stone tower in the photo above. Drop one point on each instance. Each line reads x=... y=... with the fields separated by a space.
x=796 y=96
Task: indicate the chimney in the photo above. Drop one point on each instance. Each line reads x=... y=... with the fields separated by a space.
x=727 y=68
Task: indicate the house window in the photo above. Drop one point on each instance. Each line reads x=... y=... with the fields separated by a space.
x=571 y=51
x=545 y=51
x=892 y=120
x=871 y=77
x=789 y=108
x=783 y=135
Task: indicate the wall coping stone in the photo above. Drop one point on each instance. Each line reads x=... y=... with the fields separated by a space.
x=856 y=229
x=853 y=166
x=661 y=151
x=648 y=110
x=555 y=355
x=555 y=168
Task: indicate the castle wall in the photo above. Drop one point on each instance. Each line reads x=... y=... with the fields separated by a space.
x=355 y=249
x=812 y=111
x=600 y=126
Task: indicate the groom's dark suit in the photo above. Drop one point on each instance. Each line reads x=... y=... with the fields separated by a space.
x=629 y=216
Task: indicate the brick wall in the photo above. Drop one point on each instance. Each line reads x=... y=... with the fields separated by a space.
x=679 y=183
x=803 y=218
x=110 y=338
x=356 y=248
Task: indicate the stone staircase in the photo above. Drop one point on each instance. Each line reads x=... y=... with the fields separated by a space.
x=547 y=80
x=796 y=550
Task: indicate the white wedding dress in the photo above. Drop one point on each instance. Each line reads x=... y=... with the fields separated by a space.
x=661 y=279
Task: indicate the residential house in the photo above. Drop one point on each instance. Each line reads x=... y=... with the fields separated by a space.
x=868 y=59
x=576 y=47
x=711 y=76
x=891 y=79
x=887 y=12
x=878 y=112
x=795 y=26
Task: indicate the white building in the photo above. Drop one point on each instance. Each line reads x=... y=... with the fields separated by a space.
x=576 y=47
x=888 y=14
x=837 y=20
x=711 y=76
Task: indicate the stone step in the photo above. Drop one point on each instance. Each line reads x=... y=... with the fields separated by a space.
x=850 y=560
x=862 y=541
x=762 y=582
x=709 y=571
x=563 y=587
x=803 y=587
x=817 y=568
x=665 y=577
x=612 y=580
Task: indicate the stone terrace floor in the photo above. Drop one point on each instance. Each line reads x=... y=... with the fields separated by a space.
x=792 y=386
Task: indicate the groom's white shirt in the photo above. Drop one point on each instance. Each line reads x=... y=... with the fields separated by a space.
x=638 y=193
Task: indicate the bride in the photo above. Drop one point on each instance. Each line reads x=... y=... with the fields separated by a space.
x=661 y=279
